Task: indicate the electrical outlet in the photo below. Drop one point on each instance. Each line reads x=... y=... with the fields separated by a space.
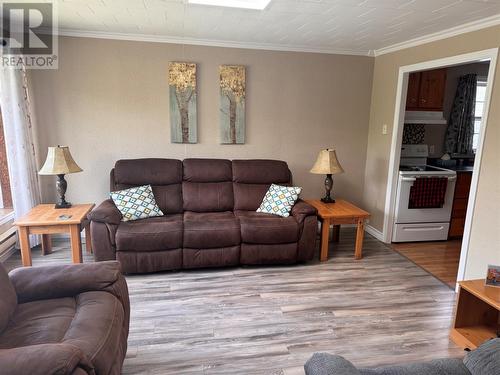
x=432 y=148
x=384 y=129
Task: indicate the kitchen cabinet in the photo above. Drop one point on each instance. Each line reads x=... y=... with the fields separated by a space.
x=426 y=90
x=460 y=200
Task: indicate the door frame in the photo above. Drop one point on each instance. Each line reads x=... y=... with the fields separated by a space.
x=397 y=138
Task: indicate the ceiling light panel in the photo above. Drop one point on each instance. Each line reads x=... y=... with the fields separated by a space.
x=244 y=4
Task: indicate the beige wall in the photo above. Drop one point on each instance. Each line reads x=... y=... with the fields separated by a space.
x=109 y=100
x=485 y=235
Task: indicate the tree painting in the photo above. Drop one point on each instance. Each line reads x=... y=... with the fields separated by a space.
x=232 y=96
x=182 y=88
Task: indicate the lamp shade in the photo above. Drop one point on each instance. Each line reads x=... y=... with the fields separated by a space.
x=59 y=161
x=327 y=163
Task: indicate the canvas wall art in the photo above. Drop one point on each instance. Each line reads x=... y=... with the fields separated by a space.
x=232 y=104
x=182 y=90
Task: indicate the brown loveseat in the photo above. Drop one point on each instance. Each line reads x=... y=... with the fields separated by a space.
x=70 y=319
x=210 y=218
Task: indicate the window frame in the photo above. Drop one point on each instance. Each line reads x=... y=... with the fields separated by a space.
x=480 y=81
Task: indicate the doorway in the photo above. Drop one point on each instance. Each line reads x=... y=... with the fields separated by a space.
x=447 y=257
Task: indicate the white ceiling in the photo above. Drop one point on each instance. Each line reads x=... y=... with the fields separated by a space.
x=336 y=26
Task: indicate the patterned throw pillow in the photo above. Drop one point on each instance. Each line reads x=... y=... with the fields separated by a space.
x=279 y=200
x=136 y=203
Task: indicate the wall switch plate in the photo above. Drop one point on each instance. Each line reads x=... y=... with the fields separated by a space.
x=384 y=129
x=432 y=148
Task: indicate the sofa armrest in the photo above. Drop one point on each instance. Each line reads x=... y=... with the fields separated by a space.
x=44 y=359
x=106 y=212
x=329 y=364
x=301 y=210
x=36 y=283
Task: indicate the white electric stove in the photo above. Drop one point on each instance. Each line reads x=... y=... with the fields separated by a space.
x=420 y=224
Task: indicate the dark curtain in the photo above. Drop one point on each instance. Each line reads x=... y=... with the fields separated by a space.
x=461 y=122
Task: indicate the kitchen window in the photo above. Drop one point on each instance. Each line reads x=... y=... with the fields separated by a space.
x=478 y=110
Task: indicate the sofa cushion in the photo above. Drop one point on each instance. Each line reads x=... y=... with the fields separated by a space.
x=252 y=178
x=157 y=233
x=8 y=299
x=164 y=176
x=485 y=360
x=262 y=228
x=208 y=196
x=210 y=230
x=248 y=197
x=327 y=364
x=447 y=366
x=207 y=185
x=261 y=171
x=39 y=322
x=136 y=172
x=207 y=170
x=136 y=203
x=91 y=321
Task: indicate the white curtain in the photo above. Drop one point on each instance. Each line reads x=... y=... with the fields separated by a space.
x=18 y=128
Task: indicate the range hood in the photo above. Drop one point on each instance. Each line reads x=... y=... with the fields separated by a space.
x=425 y=117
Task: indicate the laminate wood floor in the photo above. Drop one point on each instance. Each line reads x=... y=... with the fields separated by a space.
x=380 y=310
x=439 y=258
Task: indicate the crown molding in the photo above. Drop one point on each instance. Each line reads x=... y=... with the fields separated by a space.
x=448 y=33
x=206 y=42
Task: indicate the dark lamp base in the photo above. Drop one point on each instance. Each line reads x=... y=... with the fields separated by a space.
x=327 y=200
x=62 y=205
x=61 y=186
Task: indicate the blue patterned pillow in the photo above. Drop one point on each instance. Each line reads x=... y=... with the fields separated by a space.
x=136 y=203
x=279 y=200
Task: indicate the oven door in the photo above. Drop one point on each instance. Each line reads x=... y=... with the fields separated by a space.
x=422 y=215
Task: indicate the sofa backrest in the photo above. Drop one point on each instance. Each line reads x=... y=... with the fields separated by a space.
x=207 y=185
x=8 y=299
x=252 y=178
x=202 y=185
x=164 y=175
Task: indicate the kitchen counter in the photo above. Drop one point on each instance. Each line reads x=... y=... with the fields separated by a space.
x=461 y=168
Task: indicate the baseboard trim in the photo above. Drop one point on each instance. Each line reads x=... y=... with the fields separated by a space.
x=375 y=233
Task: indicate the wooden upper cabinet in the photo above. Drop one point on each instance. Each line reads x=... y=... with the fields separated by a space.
x=413 y=91
x=426 y=90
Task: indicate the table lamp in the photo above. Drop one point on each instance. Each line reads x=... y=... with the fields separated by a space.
x=60 y=162
x=328 y=164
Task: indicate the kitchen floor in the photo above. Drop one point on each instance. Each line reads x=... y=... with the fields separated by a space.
x=439 y=258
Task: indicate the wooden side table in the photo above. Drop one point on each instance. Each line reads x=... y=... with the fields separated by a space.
x=44 y=219
x=340 y=212
x=477 y=314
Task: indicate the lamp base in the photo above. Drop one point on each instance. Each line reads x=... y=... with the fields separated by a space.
x=328 y=188
x=62 y=205
x=61 y=186
x=327 y=199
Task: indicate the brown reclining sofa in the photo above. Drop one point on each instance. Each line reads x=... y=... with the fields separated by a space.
x=68 y=319
x=210 y=218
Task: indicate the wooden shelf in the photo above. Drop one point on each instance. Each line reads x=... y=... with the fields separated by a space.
x=472 y=337
x=477 y=314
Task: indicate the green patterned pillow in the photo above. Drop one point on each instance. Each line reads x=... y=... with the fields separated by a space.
x=136 y=203
x=279 y=200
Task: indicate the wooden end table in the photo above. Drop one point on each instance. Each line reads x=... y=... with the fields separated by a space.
x=340 y=212
x=44 y=219
x=477 y=314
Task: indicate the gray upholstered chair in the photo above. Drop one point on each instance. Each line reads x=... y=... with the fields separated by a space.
x=485 y=360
